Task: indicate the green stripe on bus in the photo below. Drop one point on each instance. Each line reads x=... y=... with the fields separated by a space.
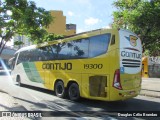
x=32 y=72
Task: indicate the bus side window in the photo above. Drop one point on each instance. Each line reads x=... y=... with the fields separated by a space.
x=64 y=51
x=44 y=54
x=80 y=49
x=23 y=57
x=113 y=40
x=99 y=45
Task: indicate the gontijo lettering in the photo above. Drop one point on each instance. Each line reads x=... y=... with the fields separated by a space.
x=130 y=54
x=57 y=66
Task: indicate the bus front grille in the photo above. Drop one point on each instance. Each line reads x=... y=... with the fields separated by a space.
x=131 y=63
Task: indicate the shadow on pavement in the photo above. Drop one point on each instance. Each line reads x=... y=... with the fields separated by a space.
x=86 y=106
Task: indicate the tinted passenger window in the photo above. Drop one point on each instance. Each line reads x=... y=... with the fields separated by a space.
x=98 y=45
x=61 y=51
x=23 y=57
x=80 y=48
x=71 y=50
x=64 y=50
x=77 y=49
x=44 y=53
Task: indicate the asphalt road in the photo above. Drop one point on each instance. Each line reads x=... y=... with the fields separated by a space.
x=34 y=99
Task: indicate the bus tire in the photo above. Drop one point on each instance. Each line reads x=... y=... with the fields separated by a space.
x=73 y=92
x=18 y=79
x=59 y=89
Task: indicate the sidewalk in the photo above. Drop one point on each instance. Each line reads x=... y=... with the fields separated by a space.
x=150 y=87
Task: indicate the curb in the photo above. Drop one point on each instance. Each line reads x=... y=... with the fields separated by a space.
x=3 y=91
x=150 y=93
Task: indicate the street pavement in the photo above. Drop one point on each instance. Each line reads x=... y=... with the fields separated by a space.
x=8 y=103
x=150 y=87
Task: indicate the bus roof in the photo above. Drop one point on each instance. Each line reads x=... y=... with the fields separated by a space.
x=26 y=48
x=83 y=35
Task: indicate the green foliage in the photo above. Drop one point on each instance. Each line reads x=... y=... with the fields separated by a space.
x=142 y=17
x=17 y=43
x=146 y=53
x=51 y=37
x=26 y=19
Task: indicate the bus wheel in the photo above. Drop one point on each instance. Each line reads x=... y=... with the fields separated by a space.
x=59 y=89
x=18 y=79
x=73 y=92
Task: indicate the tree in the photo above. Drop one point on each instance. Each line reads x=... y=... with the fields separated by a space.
x=18 y=43
x=142 y=17
x=25 y=19
x=52 y=36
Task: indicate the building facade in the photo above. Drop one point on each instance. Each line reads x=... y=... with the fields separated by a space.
x=71 y=27
x=59 y=26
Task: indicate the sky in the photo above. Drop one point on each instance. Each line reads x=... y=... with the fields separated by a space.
x=86 y=14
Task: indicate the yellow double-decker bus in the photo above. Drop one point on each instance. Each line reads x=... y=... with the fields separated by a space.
x=103 y=64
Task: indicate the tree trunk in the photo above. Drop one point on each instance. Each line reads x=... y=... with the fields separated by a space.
x=2 y=47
